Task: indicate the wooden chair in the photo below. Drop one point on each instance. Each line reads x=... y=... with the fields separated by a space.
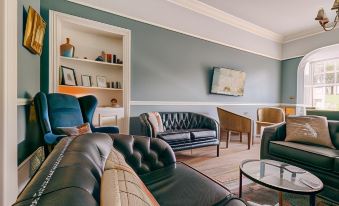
x=268 y=116
x=234 y=122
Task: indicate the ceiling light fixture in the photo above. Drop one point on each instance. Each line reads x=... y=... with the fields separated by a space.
x=323 y=20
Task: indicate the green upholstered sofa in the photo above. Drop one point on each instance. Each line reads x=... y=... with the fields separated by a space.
x=321 y=161
x=329 y=114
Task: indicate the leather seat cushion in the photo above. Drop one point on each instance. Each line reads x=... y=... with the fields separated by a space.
x=203 y=133
x=311 y=155
x=175 y=135
x=179 y=184
x=336 y=165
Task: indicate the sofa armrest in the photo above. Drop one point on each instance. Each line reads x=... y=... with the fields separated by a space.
x=275 y=132
x=144 y=154
x=146 y=127
x=210 y=123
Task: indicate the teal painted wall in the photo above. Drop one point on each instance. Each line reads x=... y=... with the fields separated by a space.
x=28 y=85
x=289 y=70
x=170 y=66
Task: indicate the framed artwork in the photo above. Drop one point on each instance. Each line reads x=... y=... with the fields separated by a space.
x=68 y=76
x=34 y=32
x=228 y=82
x=101 y=81
x=86 y=80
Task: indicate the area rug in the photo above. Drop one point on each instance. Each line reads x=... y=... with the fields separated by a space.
x=256 y=195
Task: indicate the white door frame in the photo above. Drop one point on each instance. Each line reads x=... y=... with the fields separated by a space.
x=8 y=102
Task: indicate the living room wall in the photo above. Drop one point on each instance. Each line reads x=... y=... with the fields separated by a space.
x=28 y=86
x=168 y=66
x=289 y=71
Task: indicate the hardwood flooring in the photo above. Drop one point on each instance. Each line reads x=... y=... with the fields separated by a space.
x=224 y=168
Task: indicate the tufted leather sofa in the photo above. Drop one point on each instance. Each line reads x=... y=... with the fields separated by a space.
x=72 y=173
x=184 y=130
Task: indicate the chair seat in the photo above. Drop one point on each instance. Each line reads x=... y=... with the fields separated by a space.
x=178 y=184
x=316 y=156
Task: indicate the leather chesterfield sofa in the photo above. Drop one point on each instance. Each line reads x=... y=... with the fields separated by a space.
x=183 y=130
x=74 y=174
x=321 y=161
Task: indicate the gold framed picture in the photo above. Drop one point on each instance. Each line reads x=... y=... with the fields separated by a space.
x=34 y=32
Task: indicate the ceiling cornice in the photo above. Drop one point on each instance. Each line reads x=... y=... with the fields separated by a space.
x=304 y=34
x=219 y=15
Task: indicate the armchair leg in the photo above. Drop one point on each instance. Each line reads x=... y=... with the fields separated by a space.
x=218 y=150
x=227 y=138
x=249 y=139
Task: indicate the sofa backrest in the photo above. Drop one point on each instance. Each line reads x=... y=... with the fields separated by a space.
x=71 y=174
x=333 y=127
x=182 y=120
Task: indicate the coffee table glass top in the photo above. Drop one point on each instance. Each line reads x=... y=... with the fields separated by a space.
x=281 y=176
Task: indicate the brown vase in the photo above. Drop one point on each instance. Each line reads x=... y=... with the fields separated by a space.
x=67 y=49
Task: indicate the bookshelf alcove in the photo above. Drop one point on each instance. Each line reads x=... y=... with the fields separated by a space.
x=89 y=39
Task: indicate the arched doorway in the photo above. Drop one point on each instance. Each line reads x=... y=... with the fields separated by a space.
x=318 y=78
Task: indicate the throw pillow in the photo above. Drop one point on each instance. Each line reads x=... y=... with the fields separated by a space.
x=121 y=185
x=308 y=129
x=155 y=119
x=75 y=131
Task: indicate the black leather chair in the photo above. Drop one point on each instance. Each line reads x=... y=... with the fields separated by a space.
x=62 y=110
x=184 y=130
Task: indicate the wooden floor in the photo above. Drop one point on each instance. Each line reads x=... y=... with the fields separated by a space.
x=224 y=168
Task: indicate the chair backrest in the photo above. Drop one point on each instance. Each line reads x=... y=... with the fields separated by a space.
x=271 y=115
x=63 y=111
x=234 y=122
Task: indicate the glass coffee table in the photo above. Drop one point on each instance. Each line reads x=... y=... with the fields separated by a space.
x=282 y=177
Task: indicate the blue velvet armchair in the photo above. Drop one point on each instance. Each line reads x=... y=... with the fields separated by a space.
x=62 y=110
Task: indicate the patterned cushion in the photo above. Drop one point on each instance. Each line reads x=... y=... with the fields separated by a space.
x=308 y=129
x=75 y=131
x=156 y=122
x=121 y=186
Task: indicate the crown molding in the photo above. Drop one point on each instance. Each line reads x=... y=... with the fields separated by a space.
x=219 y=15
x=304 y=34
x=91 y=5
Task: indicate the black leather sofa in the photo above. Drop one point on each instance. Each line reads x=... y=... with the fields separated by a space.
x=72 y=173
x=321 y=161
x=184 y=130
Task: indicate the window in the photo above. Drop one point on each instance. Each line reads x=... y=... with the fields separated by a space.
x=321 y=84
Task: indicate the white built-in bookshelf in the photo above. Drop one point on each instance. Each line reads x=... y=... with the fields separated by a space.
x=90 y=38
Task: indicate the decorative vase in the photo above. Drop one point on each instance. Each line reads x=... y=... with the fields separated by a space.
x=67 y=49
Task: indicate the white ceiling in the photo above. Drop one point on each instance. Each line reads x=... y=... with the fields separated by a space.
x=284 y=17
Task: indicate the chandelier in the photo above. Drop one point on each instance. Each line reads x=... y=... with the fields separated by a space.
x=323 y=20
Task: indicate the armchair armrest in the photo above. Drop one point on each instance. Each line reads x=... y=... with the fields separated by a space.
x=275 y=132
x=144 y=154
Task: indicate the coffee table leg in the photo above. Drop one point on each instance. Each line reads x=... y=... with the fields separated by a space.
x=312 y=200
x=281 y=201
x=240 y=185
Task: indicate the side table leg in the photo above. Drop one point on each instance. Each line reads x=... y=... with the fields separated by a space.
x=312 y=200
x=240 y=184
